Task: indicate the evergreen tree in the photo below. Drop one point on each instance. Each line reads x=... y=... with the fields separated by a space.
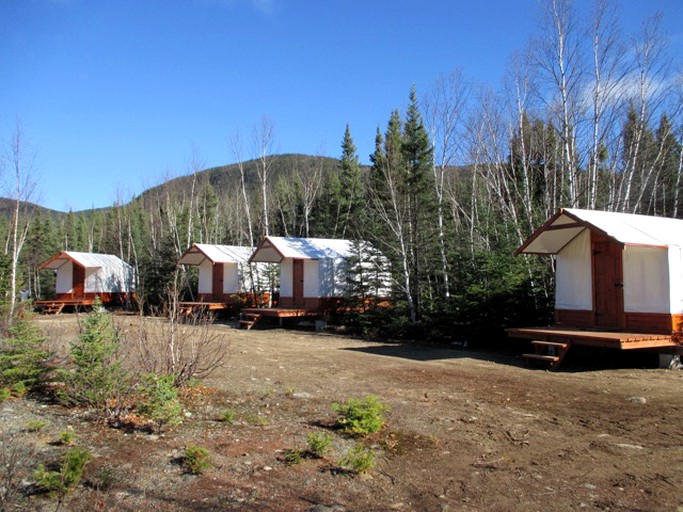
x=418 y=156
x=352 y=200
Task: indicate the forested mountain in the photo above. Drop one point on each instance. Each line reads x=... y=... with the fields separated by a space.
x=7 y=206
x=456 y=183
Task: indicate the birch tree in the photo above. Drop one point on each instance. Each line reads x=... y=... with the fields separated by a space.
x=20 y=184
x=444 y=115
x=236 y=148
x=263 y=146
x=559 y=60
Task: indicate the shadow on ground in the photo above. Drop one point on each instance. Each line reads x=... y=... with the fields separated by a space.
x=579 y=359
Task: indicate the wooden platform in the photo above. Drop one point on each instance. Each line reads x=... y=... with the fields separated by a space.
x=211 y=306
x=250 y=316
x=595 y=338
x=57 y=305
x=282 y=312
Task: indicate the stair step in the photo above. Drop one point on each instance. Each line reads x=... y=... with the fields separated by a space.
x=550 y=344
x=540 y=357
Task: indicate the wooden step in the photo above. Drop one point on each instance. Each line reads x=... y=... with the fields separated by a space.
x=541 y=357
x=249 y=320
x=52 y=308
x=550 y=344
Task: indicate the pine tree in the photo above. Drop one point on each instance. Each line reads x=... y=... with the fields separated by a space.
x=418 y=156
x=352 y=201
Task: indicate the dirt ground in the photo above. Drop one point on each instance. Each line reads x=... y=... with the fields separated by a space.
x=468 y=430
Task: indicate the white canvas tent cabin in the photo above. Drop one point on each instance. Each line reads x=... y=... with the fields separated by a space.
x=81 y=276
x=224 y=276
x=619 y=280
x=312 y=270
x=313 y=275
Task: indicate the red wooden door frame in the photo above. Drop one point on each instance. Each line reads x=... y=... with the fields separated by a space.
x=217 y=282
x=298 y=283
x=608 y=287
x=78 y=281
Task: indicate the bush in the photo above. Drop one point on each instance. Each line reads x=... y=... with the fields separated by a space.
x=5 y=394
x=358 y=460
x=183 y=346
x=196 y=459
x=36 y=425
x=360 y=417
x=98 y=380
x=69 y=475
x=293 y=456
x=67 y=438
x=319 y=444
x=228 y=416
x=160 y=402
x=23 y=358
x=19 y=390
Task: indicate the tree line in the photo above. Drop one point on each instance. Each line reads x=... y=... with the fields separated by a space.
x=586 y=117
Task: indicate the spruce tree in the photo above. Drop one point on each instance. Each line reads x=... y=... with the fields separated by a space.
x=418 y=155
x=351 y=188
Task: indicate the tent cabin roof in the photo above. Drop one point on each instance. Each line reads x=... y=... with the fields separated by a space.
x=274 y=249
x=197 y=253
x=625 y=228
x=86 y=260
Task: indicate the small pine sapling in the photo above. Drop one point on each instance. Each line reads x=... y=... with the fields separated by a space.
x=358 y=460
x=161 y=403
x=98 y=379
x=360 y=417
x=196 y=459
x=58 y=483
x=319 y=443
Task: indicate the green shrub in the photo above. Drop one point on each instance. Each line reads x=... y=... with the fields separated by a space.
x=5 y=394
x=69 y=475
x=97 y=380
x=19 y=389
x=228 y=416
x=319 y=444
x=36 y=425
x=67 y=438
x=358 y=460
x=360 y=417
x=293 y=456
x=196 y=459
x=23 y=357
x=160 y=402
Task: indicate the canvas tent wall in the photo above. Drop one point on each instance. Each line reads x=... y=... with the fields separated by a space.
x=312 y=270
x=614 y=270
x=223 y=270
x=81 y=275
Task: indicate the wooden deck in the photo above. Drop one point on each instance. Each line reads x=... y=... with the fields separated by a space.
x=205 y=305
x=251 y=316
x=281 y=312
x=57 y=305
x=595 y=338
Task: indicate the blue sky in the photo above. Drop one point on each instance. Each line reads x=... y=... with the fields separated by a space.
x=115 y=96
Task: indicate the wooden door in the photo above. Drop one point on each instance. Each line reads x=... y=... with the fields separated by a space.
x=608 y=288
x=217 y=282
x=298 y=283
x=78 y=287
